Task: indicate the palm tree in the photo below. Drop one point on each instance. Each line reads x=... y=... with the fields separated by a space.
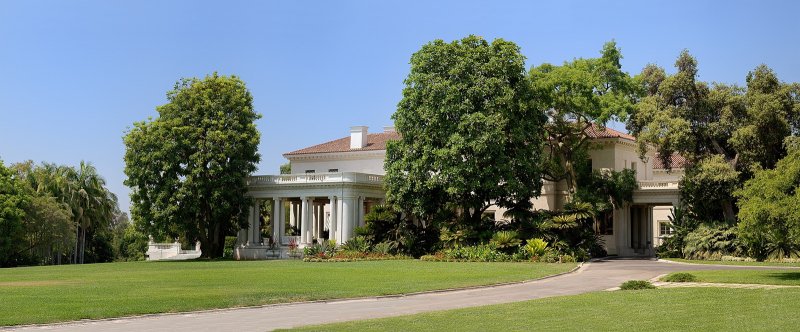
x=92 y=204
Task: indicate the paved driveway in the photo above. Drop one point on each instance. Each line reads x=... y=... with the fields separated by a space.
x=593 y=276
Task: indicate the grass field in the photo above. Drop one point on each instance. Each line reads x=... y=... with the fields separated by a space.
x=71 y=292
x=681 y=309
x=697 y=261
x=766 y=277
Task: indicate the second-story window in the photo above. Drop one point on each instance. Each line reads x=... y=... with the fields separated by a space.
x=333 y=170
x=310 y=171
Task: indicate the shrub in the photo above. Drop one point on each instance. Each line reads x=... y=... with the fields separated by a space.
x=321 y=249
x=550 y=256
x=384 y=248
x=384 y=224
x=311 y=250
x=230 y=243
x=636 y=285
x=536 y=247
x=680 y=277
x=479 y=253
x=356 y=244
x=568 y=259
x=711 y=243
x=505 y=240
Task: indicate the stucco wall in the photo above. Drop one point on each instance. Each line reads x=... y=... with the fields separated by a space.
x=660 y=213
x=371 y=163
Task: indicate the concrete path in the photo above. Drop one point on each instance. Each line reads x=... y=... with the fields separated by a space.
x=593 y=276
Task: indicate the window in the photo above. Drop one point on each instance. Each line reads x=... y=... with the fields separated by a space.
x=665 y=228
x=633 y=166
x=333 y=170
x=310 y=171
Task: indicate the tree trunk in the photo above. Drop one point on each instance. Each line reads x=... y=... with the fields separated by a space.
x=727 y=211
x=77 y=240
x=83 y=242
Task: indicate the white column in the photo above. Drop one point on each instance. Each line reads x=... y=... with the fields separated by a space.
x=348 y=218
x=320 y=220
x=332 y=230
x=360 y=212
x=250 y=225
x=339 y=220
x=276 y=220
x=292 y=214
x=303 y=219
x=310 y=220
x=315 y=222
x=257 y=222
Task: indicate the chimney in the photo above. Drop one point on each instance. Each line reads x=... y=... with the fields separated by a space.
x=358 y=137
x=388 y=129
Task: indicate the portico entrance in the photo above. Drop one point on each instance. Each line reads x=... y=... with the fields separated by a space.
x=306 y=208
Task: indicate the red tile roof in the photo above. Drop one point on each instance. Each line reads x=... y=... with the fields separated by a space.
x=595 y=132
x=676 y=161
x=374 y=142
x=378 y=141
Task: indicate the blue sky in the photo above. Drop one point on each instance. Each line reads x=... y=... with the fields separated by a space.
x=75 y=74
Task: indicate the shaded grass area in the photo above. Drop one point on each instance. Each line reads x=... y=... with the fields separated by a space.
x=698 y=261
x=72 y=292
x=766 y=277
x=677 y=309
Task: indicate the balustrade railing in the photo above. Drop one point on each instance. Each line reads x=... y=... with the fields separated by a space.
x=315 y=178
x=658 y=185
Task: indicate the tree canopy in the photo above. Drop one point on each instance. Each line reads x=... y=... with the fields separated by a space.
x=769 y=220
x=13 y=201
x=578 y=95
x=187 y=168
x=471 y=133
x=741 y=126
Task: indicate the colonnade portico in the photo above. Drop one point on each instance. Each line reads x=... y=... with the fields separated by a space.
x=306 y=207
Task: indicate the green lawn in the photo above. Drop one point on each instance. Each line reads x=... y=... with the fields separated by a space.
x=71 y=292
x=681 y=309
x=697 y=261
x=767 y=277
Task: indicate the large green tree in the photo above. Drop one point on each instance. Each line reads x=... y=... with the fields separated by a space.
x=742 y=127
x=13 y=201
x=471 y=132
x=77 y=193
x=769 y=220
x=93 y=205
x=579 y=95
x=187 y=168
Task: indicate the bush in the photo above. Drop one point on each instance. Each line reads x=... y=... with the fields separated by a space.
x=536 y=247
x=384 y=248
x=322 y=249
x=506 y=241
x=356 y=244
x=479 y=253
x=550 y=256
x=636 y=285
x=383 y=224
x=680 y=277
x=711 y=243
x=230 y=243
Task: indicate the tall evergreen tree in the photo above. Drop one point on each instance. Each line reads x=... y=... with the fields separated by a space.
x=187 y=168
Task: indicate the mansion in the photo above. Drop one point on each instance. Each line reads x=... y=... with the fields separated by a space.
x=334 y=184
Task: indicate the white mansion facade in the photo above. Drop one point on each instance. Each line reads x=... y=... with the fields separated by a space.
x=334 y=184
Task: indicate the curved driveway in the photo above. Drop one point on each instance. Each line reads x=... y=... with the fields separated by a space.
x=593 y=276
